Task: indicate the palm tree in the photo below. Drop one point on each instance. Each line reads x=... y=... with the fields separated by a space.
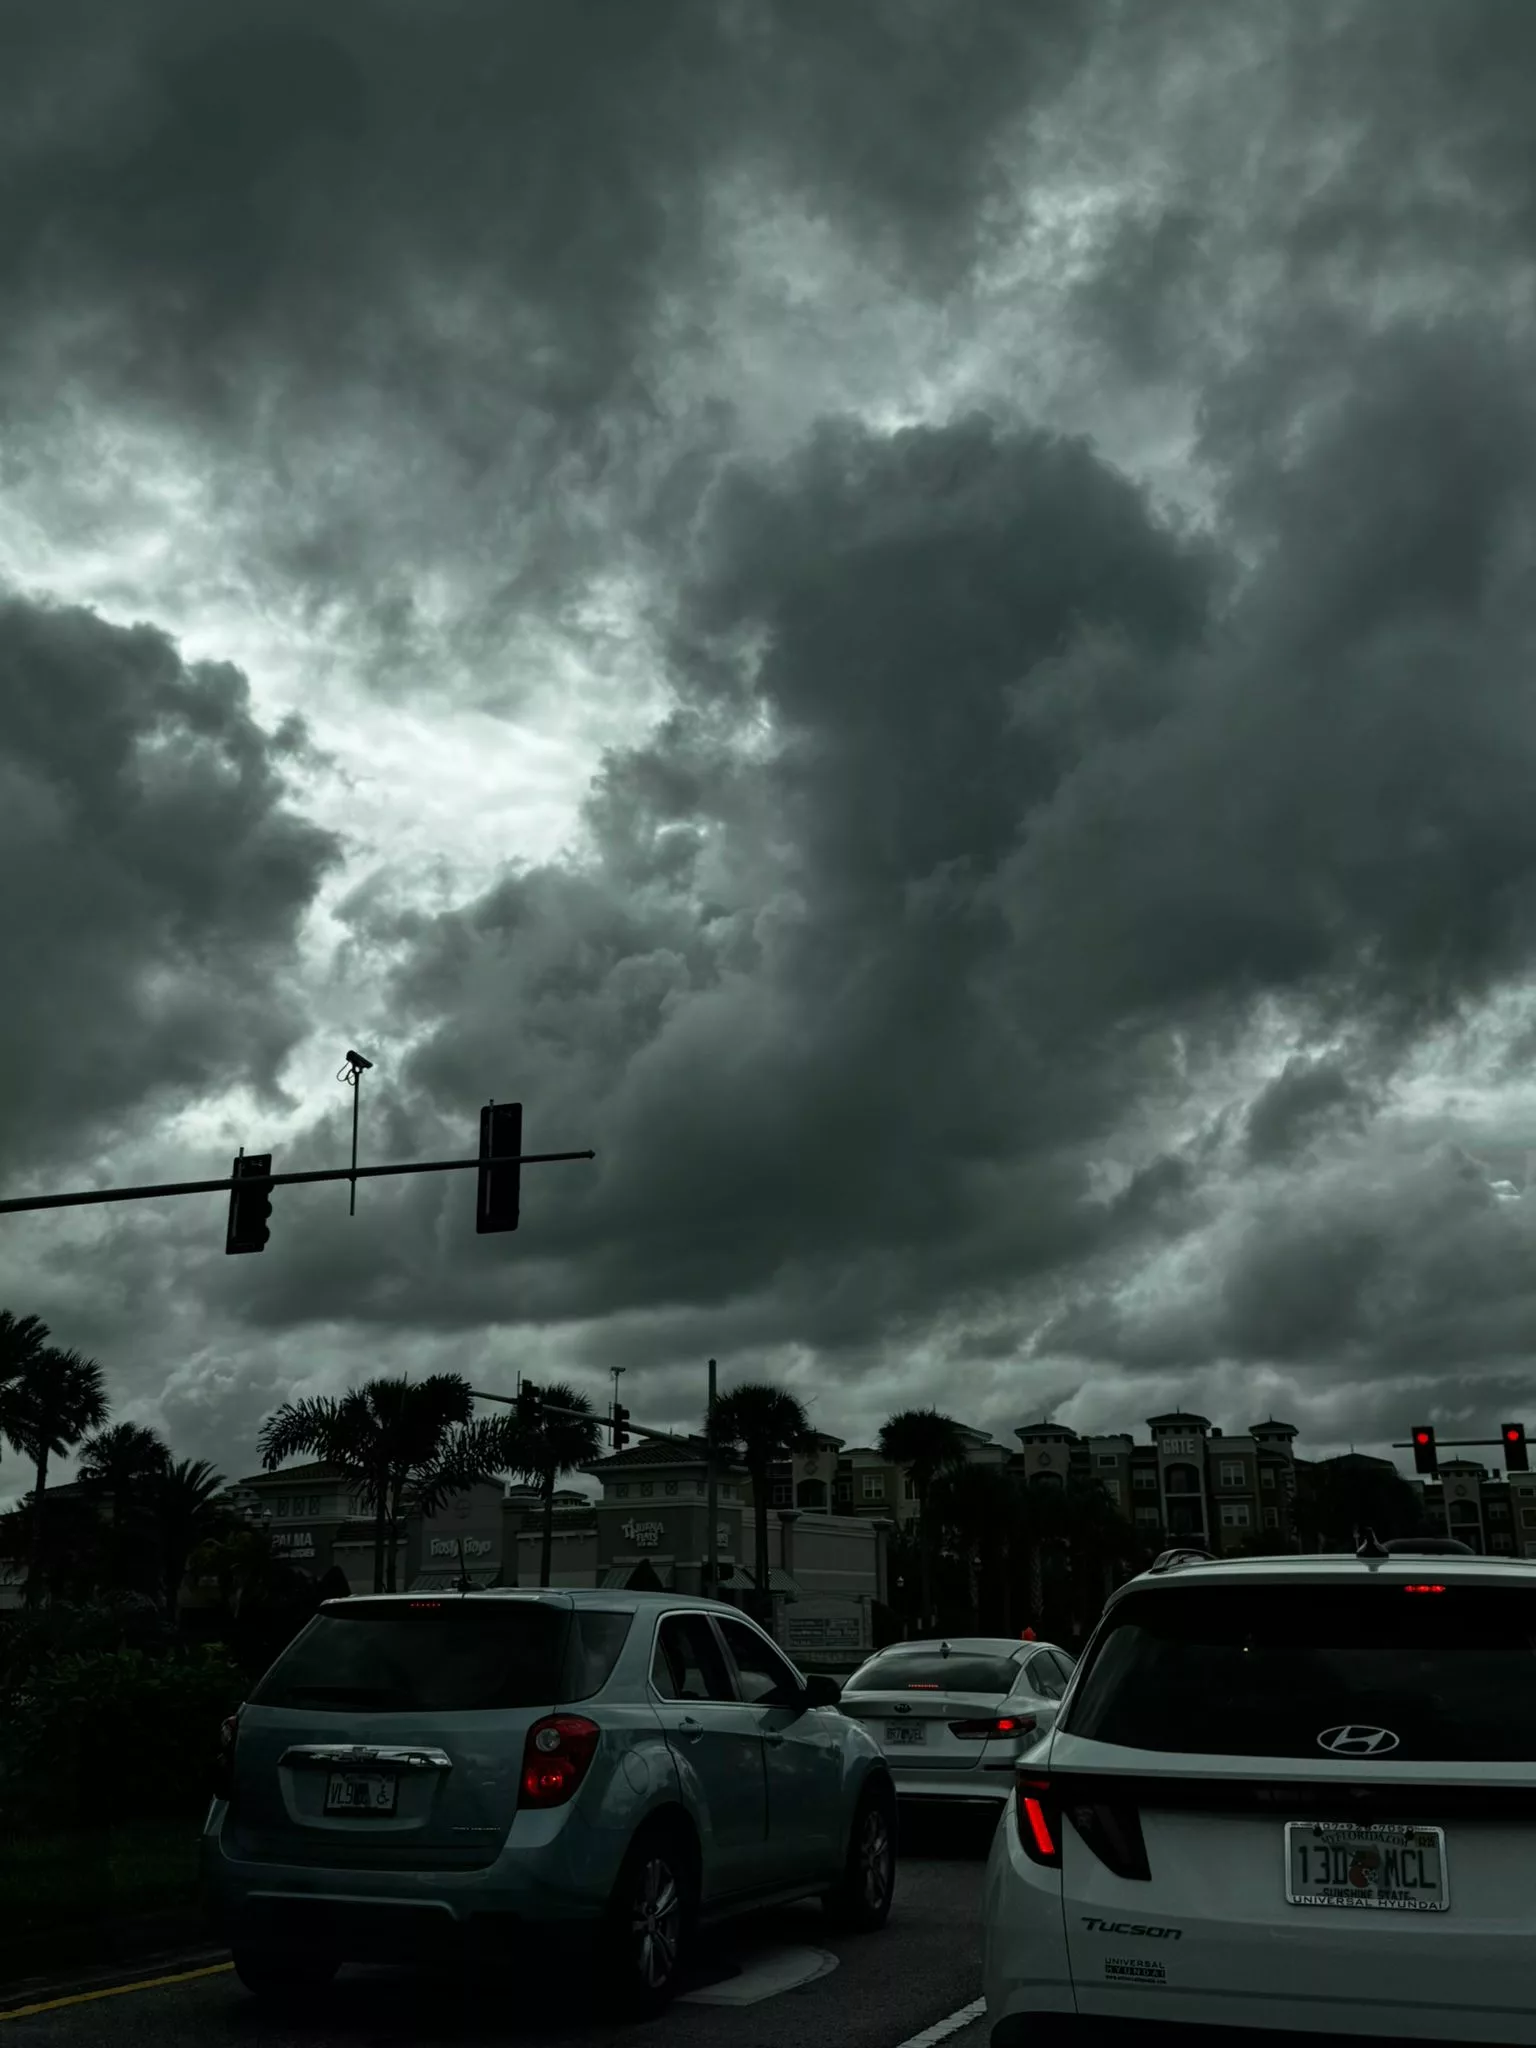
x=557 y=1444
x=22 y=1338
x=758 y=1425
x=978 y=1508
x=923 y=1443
x=403 y=1446
x=187 y=1503
x=122 y=1463
x=53 y=1400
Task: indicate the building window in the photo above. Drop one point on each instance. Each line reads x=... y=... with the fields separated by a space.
x=781 y=1495
x=1234 y=1514
x=1147 y=1517
x=1107 y=1458
x=1528 y=1517
x=908 y=1487
x=874 y=1487
x=1498 y=1511
x=845 y=1493
x=1271 y=1518
x=1267 y=1477
x=1144 y=1478
x=1231 y=1474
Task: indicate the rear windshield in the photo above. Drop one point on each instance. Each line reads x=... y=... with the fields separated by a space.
x=927 y=1671
x=1268 y=1670
x=451 y=1656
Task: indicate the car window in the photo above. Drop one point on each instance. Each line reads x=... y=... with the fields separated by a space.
x=931 y=1671
x=1448 y=1671
x=688 y=1664
x=1042 y=1678
x=762 y=1672
x=597 y=1640
x=1064 y=1664
x=423 y=1656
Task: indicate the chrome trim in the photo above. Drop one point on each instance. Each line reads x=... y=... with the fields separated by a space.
x=358 y=1756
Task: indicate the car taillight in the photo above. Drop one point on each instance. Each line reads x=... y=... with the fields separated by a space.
x=997 y=1726
x=555 y=1759
x=1037 y=1811
x=224 y=1757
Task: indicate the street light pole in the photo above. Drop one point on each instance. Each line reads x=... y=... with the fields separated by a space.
x=711 y=1498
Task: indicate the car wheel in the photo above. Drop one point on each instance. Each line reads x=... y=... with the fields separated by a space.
x=862 y=1901
x=648 y=1926
x=286 y=1977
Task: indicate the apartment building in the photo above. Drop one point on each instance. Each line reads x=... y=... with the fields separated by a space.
x=1493 y=1511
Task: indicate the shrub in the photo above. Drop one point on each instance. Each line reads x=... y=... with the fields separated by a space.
x=114 y=1734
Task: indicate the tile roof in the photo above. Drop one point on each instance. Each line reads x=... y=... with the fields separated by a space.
x=682 y=1450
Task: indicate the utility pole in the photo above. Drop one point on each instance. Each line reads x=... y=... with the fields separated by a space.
x=711 y=1499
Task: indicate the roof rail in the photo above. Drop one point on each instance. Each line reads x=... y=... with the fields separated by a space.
x=1184 y=1553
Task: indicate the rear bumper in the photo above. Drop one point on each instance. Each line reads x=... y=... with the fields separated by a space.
x=955 y=1788
x=398 y=1916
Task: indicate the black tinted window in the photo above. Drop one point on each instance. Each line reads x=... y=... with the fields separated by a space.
x=762 y=1671
x=422 y=1657
x=597 y=1638
x=1041 y=1676
x=1264 y=1670
x=1065 y=1665
x=928 y=1671
x=688 y=1664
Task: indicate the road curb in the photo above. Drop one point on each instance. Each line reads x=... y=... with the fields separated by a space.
x=100 y=1976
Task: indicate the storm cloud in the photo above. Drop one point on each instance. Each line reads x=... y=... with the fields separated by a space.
x=1023 y=517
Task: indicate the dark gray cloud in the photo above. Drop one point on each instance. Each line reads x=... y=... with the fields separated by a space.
x=158 y=879
x=1000 y=813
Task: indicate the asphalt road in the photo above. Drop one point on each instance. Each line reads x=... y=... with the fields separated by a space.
x=873 y=1991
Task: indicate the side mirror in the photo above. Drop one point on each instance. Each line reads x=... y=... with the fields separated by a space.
x=822 y=1691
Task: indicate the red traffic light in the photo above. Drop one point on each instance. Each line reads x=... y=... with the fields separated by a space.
x=1421 y=1436
x=1513 y=1436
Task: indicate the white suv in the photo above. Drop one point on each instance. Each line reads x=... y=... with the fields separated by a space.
x=1282 y=1793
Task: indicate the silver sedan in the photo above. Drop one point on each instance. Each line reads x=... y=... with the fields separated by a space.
x=953 y=1717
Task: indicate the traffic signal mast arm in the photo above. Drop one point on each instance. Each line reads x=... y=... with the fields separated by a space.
x=660 y=1436
x=274 y=1180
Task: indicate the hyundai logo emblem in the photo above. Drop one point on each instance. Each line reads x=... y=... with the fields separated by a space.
x=902 y=1707
x=1353 y=1739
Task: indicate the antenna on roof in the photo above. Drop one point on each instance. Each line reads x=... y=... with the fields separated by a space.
x=1369 y=1546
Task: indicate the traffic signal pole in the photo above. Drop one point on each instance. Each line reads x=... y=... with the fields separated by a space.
x=89 y=1196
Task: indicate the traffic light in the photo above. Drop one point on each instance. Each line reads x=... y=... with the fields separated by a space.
x=1424 y=1458
x=620 y=1433
x=249 y=1208
x=529 y=1403
x=1517 y=1457
x=501 y=1137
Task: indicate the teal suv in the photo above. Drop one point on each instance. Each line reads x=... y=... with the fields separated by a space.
x=457 y=1777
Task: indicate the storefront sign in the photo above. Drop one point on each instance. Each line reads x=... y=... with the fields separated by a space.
x=293 y=1539
x=822 y=1632
x=644 y=1535
x=450 y=1546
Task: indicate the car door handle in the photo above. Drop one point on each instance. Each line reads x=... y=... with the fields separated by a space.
x=775 y=1740
x=690 y=1729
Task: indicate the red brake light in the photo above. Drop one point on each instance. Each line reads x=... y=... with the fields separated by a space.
x=224 y=1758
x=425 y=1606
x=555 y=1759
x=1002 y=1724
x=922 y=1685
x=1038 y=1817
x=1423 y=1589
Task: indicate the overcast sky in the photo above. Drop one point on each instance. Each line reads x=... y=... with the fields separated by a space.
x=912 y=618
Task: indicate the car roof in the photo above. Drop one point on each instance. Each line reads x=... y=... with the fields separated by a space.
x=1327 y=1567
x=971 y=1646
x=607 y=1600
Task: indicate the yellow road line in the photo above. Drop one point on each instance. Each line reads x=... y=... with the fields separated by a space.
x=26 y=2012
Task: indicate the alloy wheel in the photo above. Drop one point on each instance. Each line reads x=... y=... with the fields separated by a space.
x=875 y=1859
x=656 y=1922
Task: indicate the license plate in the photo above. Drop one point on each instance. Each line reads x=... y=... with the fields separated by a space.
x=360 y=1792
x=1391 y=1868
x=899 y=1733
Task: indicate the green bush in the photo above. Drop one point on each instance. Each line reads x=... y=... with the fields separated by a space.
x=115 y=1734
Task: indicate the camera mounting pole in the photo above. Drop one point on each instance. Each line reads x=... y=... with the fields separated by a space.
x=352 y=1074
